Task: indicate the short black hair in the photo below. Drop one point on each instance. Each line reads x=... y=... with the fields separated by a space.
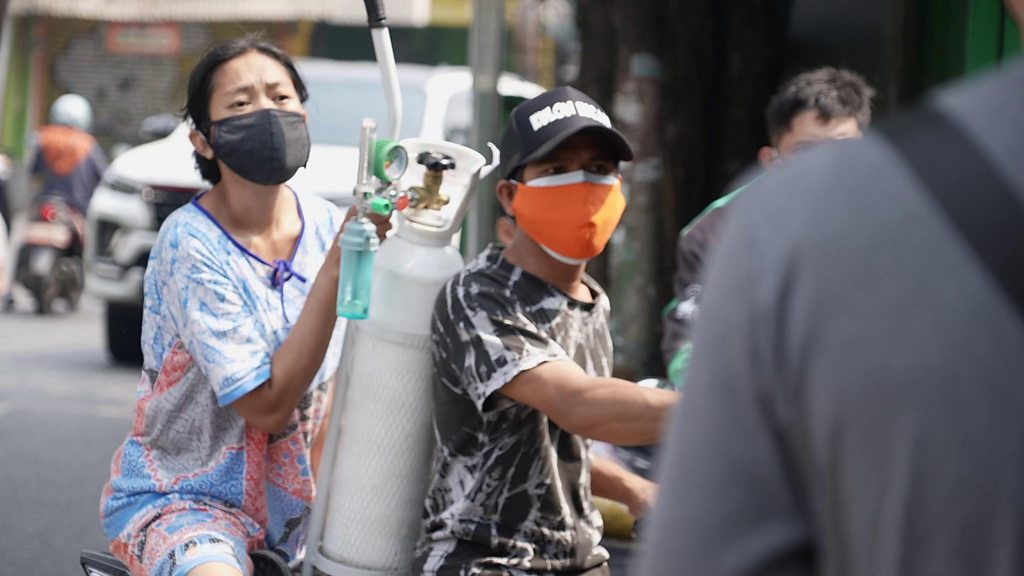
x=200 y=87
x=832 y=92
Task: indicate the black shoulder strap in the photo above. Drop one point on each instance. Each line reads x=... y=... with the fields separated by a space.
x=972 y=192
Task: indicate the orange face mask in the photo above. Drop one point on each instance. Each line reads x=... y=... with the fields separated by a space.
x=572 y=216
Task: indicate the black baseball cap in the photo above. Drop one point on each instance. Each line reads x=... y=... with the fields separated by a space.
x=541 y=124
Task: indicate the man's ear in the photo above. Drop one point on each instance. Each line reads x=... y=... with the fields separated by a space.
x=505 y=192
x=201 y=145
x=504 y=230
x=767 y=156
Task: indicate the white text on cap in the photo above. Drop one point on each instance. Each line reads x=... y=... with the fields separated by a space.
x=565 y=109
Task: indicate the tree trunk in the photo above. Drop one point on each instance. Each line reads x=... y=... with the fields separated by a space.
x=634 y=251
x=704 y=117
x=722 y=66
x=598 y=41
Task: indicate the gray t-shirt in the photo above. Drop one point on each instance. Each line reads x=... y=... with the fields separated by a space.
x=856 y=398
x=510 y=491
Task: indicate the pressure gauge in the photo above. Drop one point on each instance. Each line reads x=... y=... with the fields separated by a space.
x=390 y=160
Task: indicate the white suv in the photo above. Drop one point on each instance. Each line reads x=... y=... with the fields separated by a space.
x=145 y=184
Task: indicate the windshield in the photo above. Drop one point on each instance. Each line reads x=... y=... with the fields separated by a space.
x=337 y=107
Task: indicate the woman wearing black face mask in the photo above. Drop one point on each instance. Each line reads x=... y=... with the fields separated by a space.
x=240 y=337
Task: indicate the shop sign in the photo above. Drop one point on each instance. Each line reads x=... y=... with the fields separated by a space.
x=144 y=39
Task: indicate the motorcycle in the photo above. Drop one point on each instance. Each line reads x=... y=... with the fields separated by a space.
x=264 y=563
x=49 y=262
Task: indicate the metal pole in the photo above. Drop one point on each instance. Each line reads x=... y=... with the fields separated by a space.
x=486 y=53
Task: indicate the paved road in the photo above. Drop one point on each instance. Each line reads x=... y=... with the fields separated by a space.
x=63 y=411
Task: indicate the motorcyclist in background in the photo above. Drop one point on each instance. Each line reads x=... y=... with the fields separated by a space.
x=68 y=162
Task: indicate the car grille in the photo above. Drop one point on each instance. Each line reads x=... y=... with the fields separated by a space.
x=143 y=260
x=163 y=211
x=105 y=231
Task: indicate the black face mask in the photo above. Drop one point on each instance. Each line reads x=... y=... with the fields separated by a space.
x=266 y=147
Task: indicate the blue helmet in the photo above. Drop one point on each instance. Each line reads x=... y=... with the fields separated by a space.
x=72 y=110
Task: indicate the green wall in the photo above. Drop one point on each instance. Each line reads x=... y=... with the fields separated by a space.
x=991 y=35
x=947 y=39
x=16 y=94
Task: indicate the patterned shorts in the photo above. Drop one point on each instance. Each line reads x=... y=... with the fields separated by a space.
x=186 y=535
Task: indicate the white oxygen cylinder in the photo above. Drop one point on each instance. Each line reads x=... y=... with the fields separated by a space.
x=379 y=476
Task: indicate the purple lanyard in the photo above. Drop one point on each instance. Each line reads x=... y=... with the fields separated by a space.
x=282 y=270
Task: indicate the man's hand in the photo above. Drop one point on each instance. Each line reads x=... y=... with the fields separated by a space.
x=611 y=480
x=640 y=495
x=383 y=223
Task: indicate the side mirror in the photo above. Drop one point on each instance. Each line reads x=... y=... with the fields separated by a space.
x=157 y=126
x=118 y=149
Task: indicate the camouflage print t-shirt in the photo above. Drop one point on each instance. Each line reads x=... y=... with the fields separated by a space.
x=510 y=491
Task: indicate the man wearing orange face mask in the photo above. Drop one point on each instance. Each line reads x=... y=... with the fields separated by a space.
x=523 y=361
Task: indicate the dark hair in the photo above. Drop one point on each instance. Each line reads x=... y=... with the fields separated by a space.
x=200 y=87
x=832 y=92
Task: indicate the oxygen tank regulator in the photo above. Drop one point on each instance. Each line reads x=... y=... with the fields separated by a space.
x=381 y=164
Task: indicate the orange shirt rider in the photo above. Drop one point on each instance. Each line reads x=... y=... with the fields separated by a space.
x=69 y=163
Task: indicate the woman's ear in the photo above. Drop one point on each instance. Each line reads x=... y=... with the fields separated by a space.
x=201 y=145
x=505 y=192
